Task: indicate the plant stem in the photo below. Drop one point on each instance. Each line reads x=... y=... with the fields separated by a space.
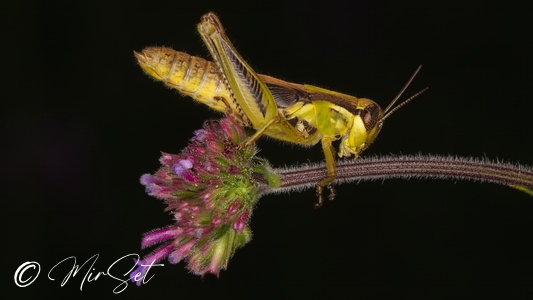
x=408 y=166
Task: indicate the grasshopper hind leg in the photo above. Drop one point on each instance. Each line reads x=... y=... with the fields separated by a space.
x=231 y=112
x=252 y=139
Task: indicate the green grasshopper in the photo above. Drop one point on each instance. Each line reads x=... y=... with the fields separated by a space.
x=296 y=113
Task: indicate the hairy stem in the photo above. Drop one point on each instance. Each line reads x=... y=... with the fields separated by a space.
x=408 y=166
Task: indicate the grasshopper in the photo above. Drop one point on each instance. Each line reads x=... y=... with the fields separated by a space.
x=296 y=113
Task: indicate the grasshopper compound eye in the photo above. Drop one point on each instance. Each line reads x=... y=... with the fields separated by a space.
x=371 y=116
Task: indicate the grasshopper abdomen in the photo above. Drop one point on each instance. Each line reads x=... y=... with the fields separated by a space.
x=191 y=75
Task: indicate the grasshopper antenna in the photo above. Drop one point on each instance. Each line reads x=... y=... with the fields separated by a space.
x=389 y=110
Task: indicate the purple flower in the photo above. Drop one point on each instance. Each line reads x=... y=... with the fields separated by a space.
x=144 y=265
x=209 y=190
x=181 y=166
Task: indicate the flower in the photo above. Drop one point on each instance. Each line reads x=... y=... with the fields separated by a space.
x=211 y=189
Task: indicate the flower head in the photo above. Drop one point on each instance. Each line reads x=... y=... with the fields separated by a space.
x=210 y=190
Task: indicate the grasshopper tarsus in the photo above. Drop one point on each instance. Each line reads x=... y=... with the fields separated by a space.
x=320 y=198
x=332 y=192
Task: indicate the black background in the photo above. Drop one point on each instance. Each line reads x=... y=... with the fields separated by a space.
x=80 y=123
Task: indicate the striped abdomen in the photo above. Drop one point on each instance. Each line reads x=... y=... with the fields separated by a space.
x=191 y=75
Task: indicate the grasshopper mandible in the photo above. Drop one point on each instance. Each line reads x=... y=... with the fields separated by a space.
x=296 y=113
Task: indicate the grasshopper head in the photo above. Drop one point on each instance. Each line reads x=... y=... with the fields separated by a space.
x=367 y=122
